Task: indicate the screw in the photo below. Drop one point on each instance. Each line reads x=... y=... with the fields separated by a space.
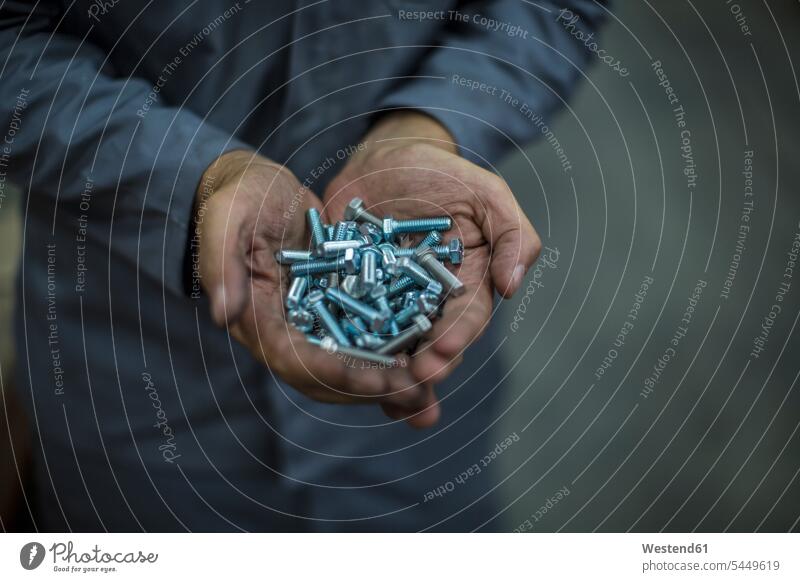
x=369 y=265
x=405 y=315
x=289 y=256
x=296 y=291
x=329 y=345
x=332 y=248
x=379 y=298
x=431 y=239
x=370 y=230
x=400 y=286
x=451 y=284
x=301 y=319
x=340 y=231
x=391 y=227
x=375 y=318
x=345 y=263
x=351 y=287
x=407 y=337
x=355 y=211
x=455 y=251
x=410 y=268
x=315 y=225
x=317 y=305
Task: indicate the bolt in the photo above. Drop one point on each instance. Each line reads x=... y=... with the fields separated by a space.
x=355 y=211
x=455 y=251
x=340 y=231
x=345 y=263
x=333 y=248
x=375 y=318
x=315 y=226
x=405 y=315
x=407 y=337
x=289 y=256
x=400 y=286
x=451 y=284
x=329 y=345
x=431 y=239
x=369 y=265
x=391 y=227
x=296 y=291
x=329 y=231
x=410 y=268
x=379 y=298
x=369 y=341
x=371 y=231
x=301 y=319
x=317 y=305
x=351 y=286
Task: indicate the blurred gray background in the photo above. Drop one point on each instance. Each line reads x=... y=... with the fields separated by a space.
x=714 y=444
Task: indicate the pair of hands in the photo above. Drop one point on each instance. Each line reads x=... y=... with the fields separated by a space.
x=408 y=168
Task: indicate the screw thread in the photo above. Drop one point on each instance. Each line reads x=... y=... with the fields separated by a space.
x=340 y=232
x=316 y=227
x=315 y=267
x=422 y=224
x=400 y=286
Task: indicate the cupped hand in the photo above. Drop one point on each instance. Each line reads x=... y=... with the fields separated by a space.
x=407 y=168
x=247 y=208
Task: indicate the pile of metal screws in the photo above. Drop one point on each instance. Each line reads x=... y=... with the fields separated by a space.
x=361 y=291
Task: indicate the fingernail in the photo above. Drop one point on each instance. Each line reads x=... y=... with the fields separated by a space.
x=516 y=277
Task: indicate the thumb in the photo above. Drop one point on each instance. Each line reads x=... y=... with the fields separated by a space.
x=514 y=250
x=223 y=264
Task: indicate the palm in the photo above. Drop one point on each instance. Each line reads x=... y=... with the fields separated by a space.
x=417 y=181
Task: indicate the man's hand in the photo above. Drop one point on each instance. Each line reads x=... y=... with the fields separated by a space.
x=409 y=169
x=247 y=208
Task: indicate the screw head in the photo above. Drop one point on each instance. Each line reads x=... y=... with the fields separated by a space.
x=422 y=323
x=353 y=209
x=434 y=288
x=427 y=302
x=350 y=261
x=455 y=249
x=371 y=231
x=301 y=319
x=315 y=297
x=388 y=228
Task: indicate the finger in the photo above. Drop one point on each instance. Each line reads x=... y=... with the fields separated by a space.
x=515 y=243
x=222 y=260
x=464 y=319
x=425 y=415
x=428 y=365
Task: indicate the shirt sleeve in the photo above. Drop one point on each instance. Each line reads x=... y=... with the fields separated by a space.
x=496 y=52
x=77 y=127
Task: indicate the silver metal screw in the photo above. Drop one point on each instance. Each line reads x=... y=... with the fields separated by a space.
x=315 y=225
x=410 y=268
x=451 y=284
x=369 y=266
x=329 y=345
x=355 y=211
x=326 y=318
x=289 y=256
x=392 y=227
x=407 y=337
x=333 y=248
x=296 y=291
x=375 y=318
x=345 y=263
